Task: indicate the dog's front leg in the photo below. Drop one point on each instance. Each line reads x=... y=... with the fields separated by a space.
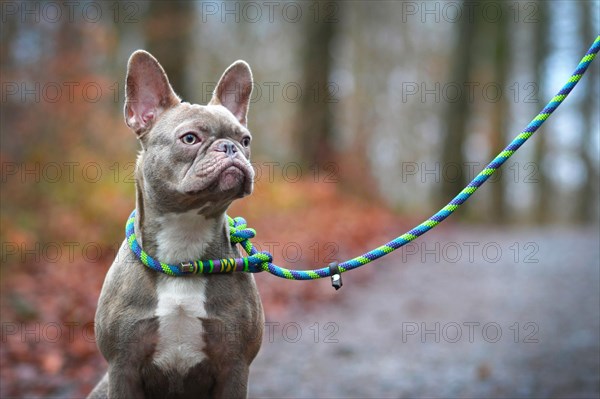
x=124 y=382
x=127 y=353
x=232 y=384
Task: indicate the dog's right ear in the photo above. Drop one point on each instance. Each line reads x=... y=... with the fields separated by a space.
x=147 y=92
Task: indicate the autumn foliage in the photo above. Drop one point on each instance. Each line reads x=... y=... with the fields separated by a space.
x=48 y=308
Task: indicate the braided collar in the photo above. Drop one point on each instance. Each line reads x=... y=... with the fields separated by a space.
x=239 y=234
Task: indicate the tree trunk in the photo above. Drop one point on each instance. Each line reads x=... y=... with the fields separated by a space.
x=314 y=123
x=167 y=32
x=456 y=113
x=587 y=196
x=540 y=49
x=355 y=172
x=499 y=117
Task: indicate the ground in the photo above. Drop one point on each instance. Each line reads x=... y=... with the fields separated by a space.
x=462 y=312
x=502 y=320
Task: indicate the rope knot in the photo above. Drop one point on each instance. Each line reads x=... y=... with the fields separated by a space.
x=239 y=231
x=265 y=256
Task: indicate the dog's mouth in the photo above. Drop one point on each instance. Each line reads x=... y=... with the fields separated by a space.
x=229 y=175
x=230 y=178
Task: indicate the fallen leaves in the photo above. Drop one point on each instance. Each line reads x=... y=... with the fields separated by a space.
x=48 y=346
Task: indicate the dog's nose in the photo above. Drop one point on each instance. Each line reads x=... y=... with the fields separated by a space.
x=227 y=147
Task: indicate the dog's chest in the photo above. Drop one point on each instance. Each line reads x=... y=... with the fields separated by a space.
x=181 y=304
x=183 y=236
x=181 y=300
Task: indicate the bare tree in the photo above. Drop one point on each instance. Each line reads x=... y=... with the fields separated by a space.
x=313 y=130
x=499 y=113
x=587 y=196
x=456 y=113
x=167 y=31
x=540 y=50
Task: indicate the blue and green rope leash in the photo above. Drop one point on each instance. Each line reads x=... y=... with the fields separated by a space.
x=262 y=261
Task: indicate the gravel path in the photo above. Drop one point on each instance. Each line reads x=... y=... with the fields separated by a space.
x=462 y=313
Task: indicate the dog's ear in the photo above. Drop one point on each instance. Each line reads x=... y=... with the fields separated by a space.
x=147 y=92
x=234 y=89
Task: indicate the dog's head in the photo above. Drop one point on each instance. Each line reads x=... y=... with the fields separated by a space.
x=192 y=155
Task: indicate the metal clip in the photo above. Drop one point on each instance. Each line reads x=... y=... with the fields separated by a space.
x=336 y=276
x=188 y=267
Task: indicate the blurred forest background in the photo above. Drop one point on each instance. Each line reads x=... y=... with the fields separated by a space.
x=366 y=117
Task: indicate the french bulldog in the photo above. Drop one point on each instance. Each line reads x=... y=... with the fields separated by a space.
x=196 y=335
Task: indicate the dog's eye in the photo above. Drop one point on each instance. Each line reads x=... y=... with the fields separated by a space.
x=190 y=138
x=246 y=141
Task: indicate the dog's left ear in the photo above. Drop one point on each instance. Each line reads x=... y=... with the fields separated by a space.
x=234 y=89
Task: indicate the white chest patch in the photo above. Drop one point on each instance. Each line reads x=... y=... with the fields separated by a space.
x=181 y=301
x=180 y=304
